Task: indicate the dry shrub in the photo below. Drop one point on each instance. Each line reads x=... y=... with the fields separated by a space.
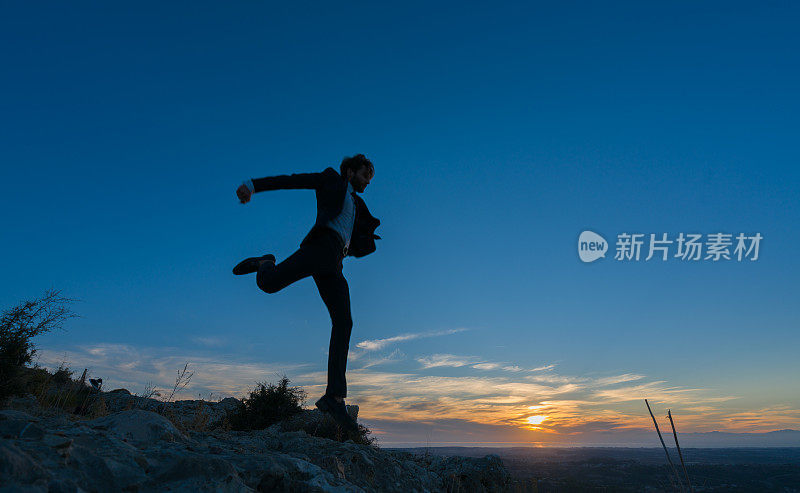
x=267 y=404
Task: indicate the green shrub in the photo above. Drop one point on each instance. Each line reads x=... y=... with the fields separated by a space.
x=267 y=405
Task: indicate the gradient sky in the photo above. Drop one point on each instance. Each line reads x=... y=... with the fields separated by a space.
x=498 y=134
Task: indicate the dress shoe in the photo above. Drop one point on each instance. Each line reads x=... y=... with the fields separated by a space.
x=251 y=264
x=338 y=411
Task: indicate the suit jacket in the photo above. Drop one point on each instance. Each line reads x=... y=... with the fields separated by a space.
x=330 y=188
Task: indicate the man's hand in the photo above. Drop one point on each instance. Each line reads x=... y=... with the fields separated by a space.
x=243 y=193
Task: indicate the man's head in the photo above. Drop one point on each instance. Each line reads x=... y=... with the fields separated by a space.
x=358 y=171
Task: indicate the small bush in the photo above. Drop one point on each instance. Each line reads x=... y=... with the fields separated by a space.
x=62 y=375
x=268 y=404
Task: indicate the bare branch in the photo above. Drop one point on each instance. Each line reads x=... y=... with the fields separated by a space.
x=28 y=319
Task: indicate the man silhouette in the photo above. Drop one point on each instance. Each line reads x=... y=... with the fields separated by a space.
x=344 y=227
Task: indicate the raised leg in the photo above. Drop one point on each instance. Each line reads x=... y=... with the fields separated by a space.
x=272 y=278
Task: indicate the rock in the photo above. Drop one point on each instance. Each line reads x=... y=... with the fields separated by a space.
x=229 y=402
x=27 y=403
x=486 y=474
x=141 y=450
x=16 y=415
x=188 y=414
x=183 y=467
x=119 y=391
x=19 y=425
x=17 y=465
x=62 y=486
x=139 y=427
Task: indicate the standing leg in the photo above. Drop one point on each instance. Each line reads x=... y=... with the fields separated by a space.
x=336 y=295
x=272 y=278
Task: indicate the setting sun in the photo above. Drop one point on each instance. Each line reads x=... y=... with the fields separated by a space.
x=537 y=420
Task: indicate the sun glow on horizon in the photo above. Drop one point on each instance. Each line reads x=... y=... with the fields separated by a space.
x=537 y=420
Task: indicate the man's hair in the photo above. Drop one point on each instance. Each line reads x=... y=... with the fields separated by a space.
x=355 y=163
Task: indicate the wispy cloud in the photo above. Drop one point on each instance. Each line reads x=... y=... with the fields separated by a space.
x=447 y=360
x=553 y=378
x=376 y=344
x=456 y=361
x=626 y=377
x=653 y=390
x=393 y=357
x=209 y=341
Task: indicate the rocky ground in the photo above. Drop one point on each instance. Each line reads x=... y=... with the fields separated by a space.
x=140 y=444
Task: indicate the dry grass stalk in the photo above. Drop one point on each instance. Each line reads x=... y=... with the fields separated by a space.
x=675 y=471
x=184 y=376
x=683 y=464
x=181 y=381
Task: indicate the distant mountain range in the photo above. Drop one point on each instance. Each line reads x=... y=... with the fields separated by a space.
x=649 y=438
x=640 y=438
x=778 y=438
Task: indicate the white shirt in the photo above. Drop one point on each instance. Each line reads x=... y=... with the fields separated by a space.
x=343 y=223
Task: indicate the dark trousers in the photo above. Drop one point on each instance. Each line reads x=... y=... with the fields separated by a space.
x=321 y=258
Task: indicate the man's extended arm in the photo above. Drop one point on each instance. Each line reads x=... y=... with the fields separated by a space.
x=282 y=182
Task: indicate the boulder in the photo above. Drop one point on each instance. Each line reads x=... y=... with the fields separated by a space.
x=139 y=427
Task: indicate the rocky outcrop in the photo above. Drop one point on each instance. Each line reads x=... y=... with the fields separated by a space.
x=135 y=449
x=194 y=414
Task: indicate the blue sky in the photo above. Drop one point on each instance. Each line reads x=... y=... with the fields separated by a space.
x=498 y=134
